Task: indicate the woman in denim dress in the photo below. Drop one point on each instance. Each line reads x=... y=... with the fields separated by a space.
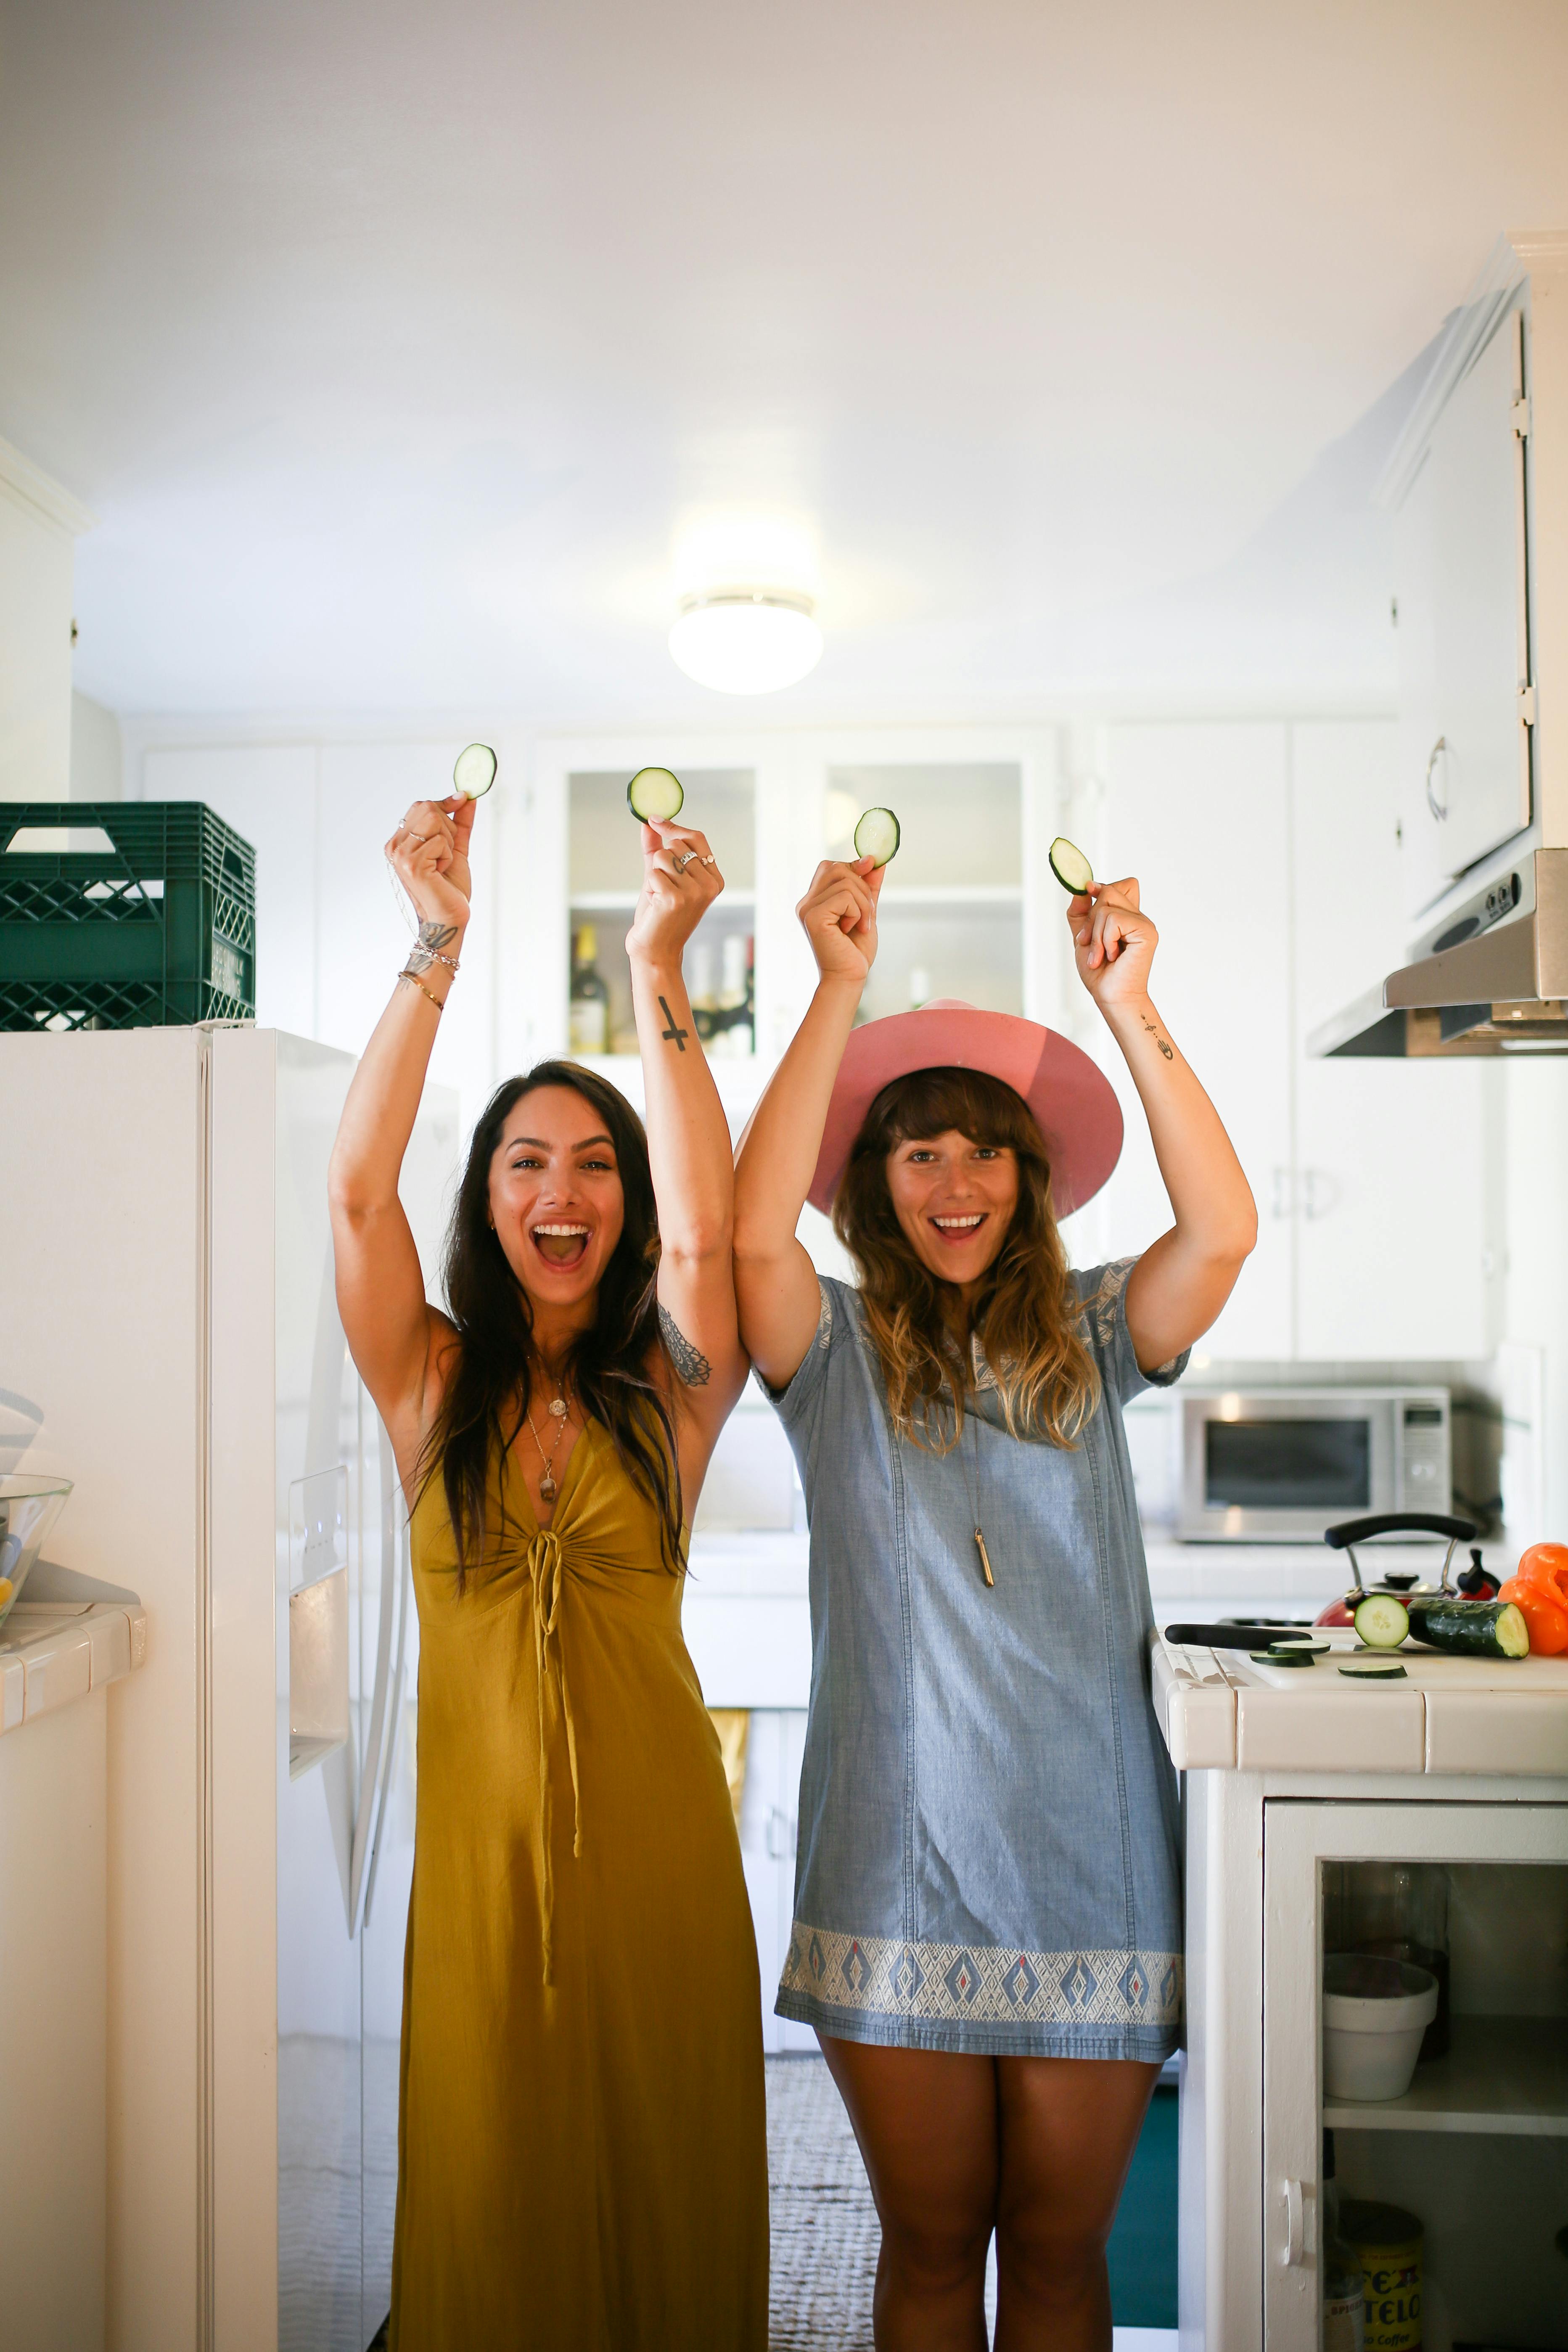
x=987 y=1923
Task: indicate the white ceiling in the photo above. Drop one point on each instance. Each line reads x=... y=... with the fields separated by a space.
x=393 y=345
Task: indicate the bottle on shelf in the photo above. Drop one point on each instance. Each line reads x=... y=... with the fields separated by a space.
x=700 y=988
x=1343 y=2285
x=734 y=1019
x=588 y=1009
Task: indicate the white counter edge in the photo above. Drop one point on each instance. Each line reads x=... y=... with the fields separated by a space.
x=52 y=1652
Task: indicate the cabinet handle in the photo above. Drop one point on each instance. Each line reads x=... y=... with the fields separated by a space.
x=1300 y=2246
x=779 y=1836
x=1438 y=808
x=1322 y=1193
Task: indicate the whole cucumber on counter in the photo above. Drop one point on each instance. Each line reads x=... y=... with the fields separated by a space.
x=1470 y=1628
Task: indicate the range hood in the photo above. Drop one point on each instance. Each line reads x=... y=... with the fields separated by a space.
x=1495 y=982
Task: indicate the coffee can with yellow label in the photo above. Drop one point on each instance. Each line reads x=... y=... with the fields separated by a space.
x=1388 y=2241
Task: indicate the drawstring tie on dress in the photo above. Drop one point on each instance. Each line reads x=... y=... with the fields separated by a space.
x=546 y=1567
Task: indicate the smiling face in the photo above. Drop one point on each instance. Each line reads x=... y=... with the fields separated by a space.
x=954 y=1201
x=555 y=1197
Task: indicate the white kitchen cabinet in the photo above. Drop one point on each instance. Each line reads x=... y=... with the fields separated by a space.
x=1393 y=1215
x=1494 y=2109
x=1199 y=813
x=768 y=1811
x=1464 y=661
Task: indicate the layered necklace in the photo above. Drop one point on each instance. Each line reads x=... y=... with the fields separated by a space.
x=548 y=1485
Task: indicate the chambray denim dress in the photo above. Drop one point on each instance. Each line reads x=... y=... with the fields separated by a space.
x=987 y=1850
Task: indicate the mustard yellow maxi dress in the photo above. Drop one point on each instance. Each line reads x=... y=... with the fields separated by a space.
x=582 y=2158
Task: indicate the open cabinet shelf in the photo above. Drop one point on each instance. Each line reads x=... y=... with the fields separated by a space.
x=1501 y=2074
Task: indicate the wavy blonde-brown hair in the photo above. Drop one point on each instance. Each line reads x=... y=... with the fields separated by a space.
x=1028 y=1318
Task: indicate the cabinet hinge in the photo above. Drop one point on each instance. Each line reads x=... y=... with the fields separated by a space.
x=1527 y=705
x=1519 y=416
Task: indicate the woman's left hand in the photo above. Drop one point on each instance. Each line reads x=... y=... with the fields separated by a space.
x=1113 y=941
x=680 y=881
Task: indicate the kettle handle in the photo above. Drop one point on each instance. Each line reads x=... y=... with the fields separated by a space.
x=1350 y=1532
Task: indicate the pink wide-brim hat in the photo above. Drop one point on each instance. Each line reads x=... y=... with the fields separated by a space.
x=1073 y=1101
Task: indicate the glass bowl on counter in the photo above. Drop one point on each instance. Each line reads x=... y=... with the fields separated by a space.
x=30 y=1504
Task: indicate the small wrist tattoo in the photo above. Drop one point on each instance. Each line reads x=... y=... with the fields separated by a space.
x=1159 y=1041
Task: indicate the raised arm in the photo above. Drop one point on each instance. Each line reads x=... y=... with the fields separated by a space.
x=775 y=1281
x=392 y=1334
x=688 y=1140
x=1182 y=1281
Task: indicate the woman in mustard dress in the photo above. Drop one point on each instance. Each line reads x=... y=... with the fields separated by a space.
x=582 y=2160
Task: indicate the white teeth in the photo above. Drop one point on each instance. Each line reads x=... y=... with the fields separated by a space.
x=955 y=1225
x=563 y=1231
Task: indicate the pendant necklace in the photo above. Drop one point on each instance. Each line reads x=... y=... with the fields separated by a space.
x=548 y=1487
x=979 y=1531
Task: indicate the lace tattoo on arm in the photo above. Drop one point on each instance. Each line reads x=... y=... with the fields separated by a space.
x=692 y=1368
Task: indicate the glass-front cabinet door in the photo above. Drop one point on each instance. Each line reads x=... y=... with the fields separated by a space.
x=1415 y=2075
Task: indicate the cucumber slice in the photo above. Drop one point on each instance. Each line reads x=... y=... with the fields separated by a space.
x=1382 y=1620
x=876 y=835
x=1303 y=1648
x=1383 y=1669
x=1072 y=867
x=654 y=793
x=1470 y=1628
x=474 y=771
x=1281 y=1657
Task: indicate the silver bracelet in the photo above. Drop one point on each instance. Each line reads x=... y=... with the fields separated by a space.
x=423 y=958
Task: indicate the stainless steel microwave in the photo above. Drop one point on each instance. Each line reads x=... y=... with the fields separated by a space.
x=1279 y=1465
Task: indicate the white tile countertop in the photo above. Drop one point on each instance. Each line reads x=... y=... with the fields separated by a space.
x=1217 y=1711
x=52 y=1652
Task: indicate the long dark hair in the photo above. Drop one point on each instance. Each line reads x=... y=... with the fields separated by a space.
x=488 y=1388
x=1028 y=1318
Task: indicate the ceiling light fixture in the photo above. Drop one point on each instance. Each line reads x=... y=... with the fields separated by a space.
x=746 y=640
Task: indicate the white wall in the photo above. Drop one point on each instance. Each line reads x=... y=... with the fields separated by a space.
x=97 y=752
x=329 y=937
x=38 y=522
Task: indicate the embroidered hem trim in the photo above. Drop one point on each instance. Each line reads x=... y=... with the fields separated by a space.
x=948 y=1983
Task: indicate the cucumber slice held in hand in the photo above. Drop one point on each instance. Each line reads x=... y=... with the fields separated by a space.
x=1072 y=867
x=656 y=793
x=1382 y=1620
x=876 y=835
x=474 y=771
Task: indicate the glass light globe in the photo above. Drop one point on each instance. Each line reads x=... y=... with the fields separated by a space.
x=747 y=641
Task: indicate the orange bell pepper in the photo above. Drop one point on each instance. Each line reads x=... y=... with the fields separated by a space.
x=1540 y=1591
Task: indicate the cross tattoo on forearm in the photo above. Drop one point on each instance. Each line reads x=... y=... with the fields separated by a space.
x=672 y=1035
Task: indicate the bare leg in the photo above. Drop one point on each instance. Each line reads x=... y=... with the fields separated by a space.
x=926 y=2122
x=1069 y=2130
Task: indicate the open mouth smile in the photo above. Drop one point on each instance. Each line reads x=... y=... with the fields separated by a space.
x=562 y=1246
x=954 y=1230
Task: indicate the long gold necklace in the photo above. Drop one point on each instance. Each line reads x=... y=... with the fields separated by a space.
x=548 y=1488
x=974 y=1503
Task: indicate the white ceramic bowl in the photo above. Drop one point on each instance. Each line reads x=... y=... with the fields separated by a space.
x=1375 y=2013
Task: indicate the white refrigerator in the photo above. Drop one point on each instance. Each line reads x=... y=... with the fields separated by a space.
x=167 y=1310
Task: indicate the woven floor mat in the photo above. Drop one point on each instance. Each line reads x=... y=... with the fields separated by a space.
x=825 y=2229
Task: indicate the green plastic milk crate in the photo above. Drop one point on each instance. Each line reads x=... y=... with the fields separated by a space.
x=156 y=931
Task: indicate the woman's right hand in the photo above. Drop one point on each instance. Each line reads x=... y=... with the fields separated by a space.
x=429 y=855
x=838 y=916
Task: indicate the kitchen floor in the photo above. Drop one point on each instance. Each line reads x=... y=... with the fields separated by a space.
x=824 y=2233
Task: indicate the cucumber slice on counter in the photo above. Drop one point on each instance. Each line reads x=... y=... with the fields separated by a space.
x=1375 y=1669
x=1468 y=1629
x=1281 y=1657
x=656 y=793
x=1382 y=1620
x=474 y=770
x=1302 y=1642
x=876 y=835
x=1072 y=867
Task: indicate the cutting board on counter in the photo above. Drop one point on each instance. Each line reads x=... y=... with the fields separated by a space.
x=1424 y=1670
